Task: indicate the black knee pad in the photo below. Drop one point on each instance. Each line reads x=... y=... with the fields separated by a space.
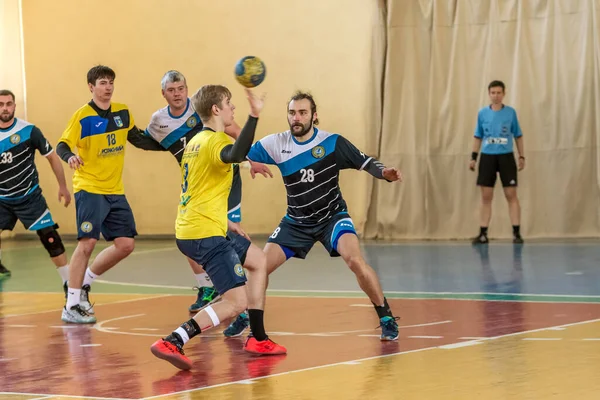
x=51 y=241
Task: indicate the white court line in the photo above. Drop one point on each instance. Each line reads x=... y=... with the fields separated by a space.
x=96 y=305
x=591 y=339
x=100 y=327
x=426 y=337
x=435 y=295
x=456 y=345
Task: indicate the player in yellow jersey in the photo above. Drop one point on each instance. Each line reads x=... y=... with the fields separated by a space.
x=98 y=131
x=201 y=228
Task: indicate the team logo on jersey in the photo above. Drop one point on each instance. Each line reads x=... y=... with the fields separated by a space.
x=318 y=152
x=15 y=139
x=191 y=122
x=239 y=271
x=86 y=227
x=118 y=121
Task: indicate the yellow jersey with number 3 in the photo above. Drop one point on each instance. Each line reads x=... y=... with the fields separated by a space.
x=205 y=186
x=99 y=138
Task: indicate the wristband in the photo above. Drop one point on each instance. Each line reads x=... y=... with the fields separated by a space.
x=474 y=156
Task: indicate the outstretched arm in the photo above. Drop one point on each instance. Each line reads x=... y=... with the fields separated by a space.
x=348 y=156
x=136 y=137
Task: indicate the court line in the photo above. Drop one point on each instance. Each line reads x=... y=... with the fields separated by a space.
x=371 y=358
x=435 y=295
x=100 y=327
x=156 y=296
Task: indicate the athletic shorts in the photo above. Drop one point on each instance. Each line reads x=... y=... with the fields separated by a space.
x=221 y=257
x=297 y=239
x=492 y=164
x=31 y=210
x=109 y=214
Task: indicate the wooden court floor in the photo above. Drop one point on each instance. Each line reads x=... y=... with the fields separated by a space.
x=451 y=347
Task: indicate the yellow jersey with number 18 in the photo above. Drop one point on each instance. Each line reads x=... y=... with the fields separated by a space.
x=99 y=138
x=205 y=186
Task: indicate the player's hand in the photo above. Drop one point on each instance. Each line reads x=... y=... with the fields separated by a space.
x=521 y=163
x=259 y=168
x=472 y=165
x=236 y=228
x=256 y=103
x=75 y=162
x=392 y=174
x=63 y=193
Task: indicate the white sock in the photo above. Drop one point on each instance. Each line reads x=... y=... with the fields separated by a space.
x=63 y=272
x=203 y=280
x=73 y=297
x=184 y=336
x=89 y=277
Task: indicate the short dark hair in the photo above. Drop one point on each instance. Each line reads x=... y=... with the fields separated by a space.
x=6 y=92
x=208 y=96
x=300 y=95
x=100 y=72
x=496 y=84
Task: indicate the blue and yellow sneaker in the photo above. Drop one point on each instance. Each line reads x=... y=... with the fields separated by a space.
x=389 y=328
x=206 y=295
x=237 y=327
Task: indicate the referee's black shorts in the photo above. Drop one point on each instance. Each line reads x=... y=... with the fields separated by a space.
x=492 y=164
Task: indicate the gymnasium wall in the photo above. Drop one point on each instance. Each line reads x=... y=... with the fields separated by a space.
x=403 y=79
x=441 y=55
x=11 y=67
x=321 y=46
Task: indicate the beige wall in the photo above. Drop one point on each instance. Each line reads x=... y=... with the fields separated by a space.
x=11 y=67
x=322 y=46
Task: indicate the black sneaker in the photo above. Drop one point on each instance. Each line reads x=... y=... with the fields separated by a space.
x=518 y=239
x=481 y=239
x=4 y=273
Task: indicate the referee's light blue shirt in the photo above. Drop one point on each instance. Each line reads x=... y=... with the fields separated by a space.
x=496 y=129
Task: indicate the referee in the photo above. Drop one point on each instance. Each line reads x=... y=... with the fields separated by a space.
x=497 y=126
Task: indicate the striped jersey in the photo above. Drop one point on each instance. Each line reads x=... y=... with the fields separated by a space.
x=310 y=171
x=18 y=174
x=174 y=133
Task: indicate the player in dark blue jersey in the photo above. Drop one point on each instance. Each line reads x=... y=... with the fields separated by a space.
x=173 y=127
x=21 y=197
x=310 y=161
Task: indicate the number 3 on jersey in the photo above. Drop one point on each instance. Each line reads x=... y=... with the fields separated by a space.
x=308 y=175
x=184 y=185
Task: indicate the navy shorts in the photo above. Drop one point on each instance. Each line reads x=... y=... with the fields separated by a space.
x=108 y=214
x=221 y=257
x=297 y=239
x=31 y=210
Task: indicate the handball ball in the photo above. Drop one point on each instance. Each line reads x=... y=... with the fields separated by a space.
x=250 y=71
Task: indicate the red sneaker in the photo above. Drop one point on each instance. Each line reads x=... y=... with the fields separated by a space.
x=172 y=353
x=266 y=347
